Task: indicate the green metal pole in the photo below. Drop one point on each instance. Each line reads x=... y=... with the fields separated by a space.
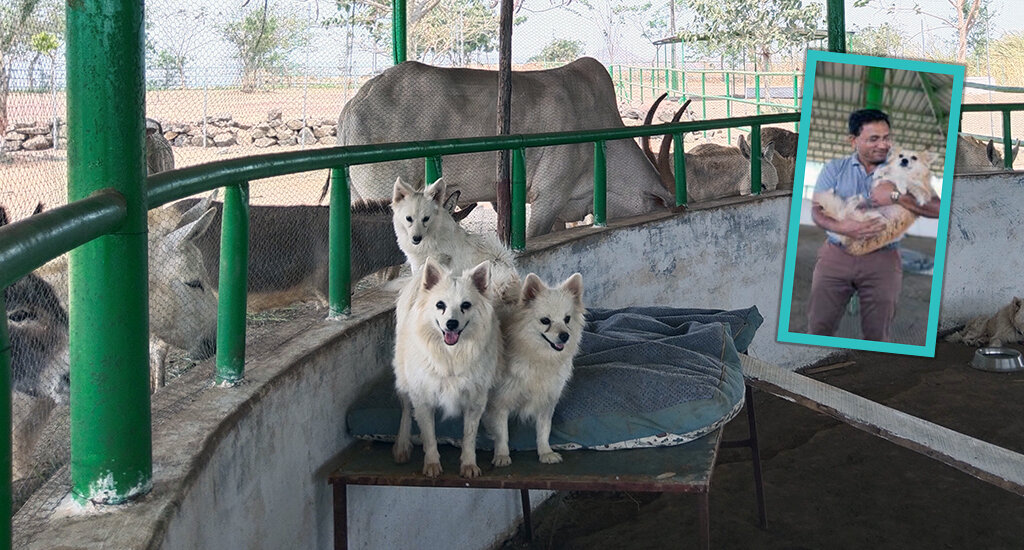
x=398 y=31
x=757 y=93
x=630 y=73
x=679 y=158
x=111 y=451
x=231 y=299
x=5 y=428
x=836 y=16
x=796 y=102
x=600 y=184
x=339 y=288
x=728 y=107
x=704 y=96
x=755 y=159
x=641 y=84
x=433 y=169
x=874 y=88
x=518 y=219
x=1007 y=140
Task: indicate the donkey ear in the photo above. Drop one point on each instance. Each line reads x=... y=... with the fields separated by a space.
x=744 y=147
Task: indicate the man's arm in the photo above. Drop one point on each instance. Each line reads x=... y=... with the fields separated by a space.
x=881 y=195
x=850 y=228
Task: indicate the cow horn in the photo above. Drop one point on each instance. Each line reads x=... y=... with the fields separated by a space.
x=645 y=141
x=664 y=164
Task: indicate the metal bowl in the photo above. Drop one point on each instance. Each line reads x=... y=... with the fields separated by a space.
x=997 y=360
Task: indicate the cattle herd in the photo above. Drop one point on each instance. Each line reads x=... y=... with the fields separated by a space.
x=288 y=244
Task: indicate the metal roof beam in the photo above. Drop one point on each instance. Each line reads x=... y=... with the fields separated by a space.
x=941 y=118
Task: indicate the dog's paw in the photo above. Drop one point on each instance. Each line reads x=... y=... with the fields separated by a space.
x=401 y=452
x=550 y=458
x=432 y=469
x=469 y=470
x=501 y=461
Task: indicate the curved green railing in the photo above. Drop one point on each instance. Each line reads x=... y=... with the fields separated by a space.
x=1005 y=109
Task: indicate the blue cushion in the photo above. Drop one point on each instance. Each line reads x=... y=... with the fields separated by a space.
x=644 y=376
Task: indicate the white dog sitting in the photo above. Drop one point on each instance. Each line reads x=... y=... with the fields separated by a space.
x=1005 y=327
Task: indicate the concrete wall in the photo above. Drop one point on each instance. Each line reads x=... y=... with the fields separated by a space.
x=246 y=467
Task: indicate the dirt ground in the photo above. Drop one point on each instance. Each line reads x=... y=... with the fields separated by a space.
x=828 y=485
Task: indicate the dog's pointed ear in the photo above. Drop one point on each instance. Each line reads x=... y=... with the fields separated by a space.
x=435 y=192
x=574 y=285
x=401 y=191
x=431 y=273
x=531 y=288
x=481 y=276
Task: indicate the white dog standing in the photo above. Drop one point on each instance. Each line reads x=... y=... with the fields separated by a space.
x=541 y=337
x=447 y=348
x=425 y=228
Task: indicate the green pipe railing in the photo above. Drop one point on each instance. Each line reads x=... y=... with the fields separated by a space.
x=339 y=291
x=600 y=185
x=1005 y=109
x=233 y=285
x=517 y=219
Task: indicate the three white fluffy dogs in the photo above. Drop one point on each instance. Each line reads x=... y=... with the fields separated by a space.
x=468 y=340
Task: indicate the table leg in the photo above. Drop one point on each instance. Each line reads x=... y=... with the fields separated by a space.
x=340 y=516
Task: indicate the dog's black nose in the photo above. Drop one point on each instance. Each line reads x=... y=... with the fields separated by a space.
x=416 y=239
x=563 y=336
x=452 y=324
x=904 y=162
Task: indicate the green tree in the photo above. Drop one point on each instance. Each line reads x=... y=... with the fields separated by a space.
x=759 y=27
x=965 y=17
x=881 y=40
x=19 y=20
x=455 y=31
x=263 y=39
x=175 y=32
x=45 y=43
x=559 y=50
x=1007 y=54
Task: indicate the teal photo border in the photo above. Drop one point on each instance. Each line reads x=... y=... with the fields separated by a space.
x=928 y=349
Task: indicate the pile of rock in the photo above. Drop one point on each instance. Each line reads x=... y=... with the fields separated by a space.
x=219 y=131
x=33 y=136
x=224 y=131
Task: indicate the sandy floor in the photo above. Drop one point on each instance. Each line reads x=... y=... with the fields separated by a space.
x=828 y=485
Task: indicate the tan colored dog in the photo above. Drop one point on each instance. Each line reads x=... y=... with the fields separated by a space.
x=541 y=338
x=447 y=348
x=1005 y=327
x=910 y=173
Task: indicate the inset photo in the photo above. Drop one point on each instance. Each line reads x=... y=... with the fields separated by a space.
x=867 y=229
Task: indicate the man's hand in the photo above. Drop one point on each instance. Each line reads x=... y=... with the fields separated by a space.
x=881 y=193
x=860 y=230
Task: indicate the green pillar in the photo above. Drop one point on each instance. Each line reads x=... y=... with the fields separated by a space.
x=432 y=169
x=111 y=455
x=600 y=185
x=874 y=88
x=398 y=31
x=836 y=16
x=518 y=217
x=233 y=283
x=339 y=267
x=679 y=165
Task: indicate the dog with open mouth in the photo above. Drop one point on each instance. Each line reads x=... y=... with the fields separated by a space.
x=447 y=348
x=542 y=335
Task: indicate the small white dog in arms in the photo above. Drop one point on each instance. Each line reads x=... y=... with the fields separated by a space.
x=447 y=348
x=542 y=335
x=1005 y=327
x=910 y=173
x=424 y=228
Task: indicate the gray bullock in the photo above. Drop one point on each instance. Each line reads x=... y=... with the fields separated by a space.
x=288 y=249
x=974 y=155
x=412 y=101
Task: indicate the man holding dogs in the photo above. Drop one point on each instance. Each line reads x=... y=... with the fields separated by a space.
x=843 y=268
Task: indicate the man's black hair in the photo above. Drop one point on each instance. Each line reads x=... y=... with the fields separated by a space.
x=859 y=118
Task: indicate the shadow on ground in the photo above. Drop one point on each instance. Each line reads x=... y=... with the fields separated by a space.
x=828 y=485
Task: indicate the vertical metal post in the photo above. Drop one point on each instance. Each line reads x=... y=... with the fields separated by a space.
x=233 y=284
x=641 y=81
x=796 y=101
x=600 y=185
x=398 y=31
x=432 y=170
x=757 y=93
x=1007 y=140
x=755 y=159
x=704 y=96
x=874 y=88
x=339 y=287
x=518 y=221
x=630 y=94
x=111 y=440
x=728 y=108
x=679 y=161
x=836 y=25
x=5 y=428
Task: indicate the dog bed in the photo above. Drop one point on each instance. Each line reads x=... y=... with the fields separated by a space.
x=644 y=377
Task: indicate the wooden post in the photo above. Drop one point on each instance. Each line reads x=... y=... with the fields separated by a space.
x=504 y=179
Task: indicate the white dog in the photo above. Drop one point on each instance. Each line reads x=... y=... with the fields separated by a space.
x=1005 y=327
x=447 y=348
x=425 y=228
x=910 y=173
x=541 y=337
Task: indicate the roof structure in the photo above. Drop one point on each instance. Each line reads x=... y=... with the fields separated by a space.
x=918 y=105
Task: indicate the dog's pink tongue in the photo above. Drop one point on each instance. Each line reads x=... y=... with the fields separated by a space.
x=451 y=337
x=559 y=346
